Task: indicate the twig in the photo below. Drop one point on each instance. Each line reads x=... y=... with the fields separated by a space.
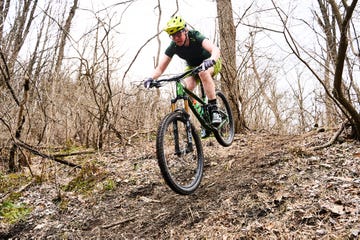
x=118 y=223
x=23 y=188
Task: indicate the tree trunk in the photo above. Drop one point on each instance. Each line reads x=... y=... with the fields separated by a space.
x=229 y=84
x=64 y=34
x=348 y=108
x=13 y=43
x=20 y=123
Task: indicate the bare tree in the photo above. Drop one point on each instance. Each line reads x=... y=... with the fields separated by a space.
x=262 y=80
x=96 y=76
x=64 y=35
x=30 y=95
x=229 y=75
x=348 y=108
x=337 y=55
x=14 y=42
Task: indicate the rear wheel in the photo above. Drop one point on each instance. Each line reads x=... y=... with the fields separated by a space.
x=225 y=131
x=179 y=153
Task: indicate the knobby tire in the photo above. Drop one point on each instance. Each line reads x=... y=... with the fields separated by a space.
x=225 y=134
x=181 y=167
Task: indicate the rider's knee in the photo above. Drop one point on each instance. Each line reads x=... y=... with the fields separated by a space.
x=205 y=76
x=190 y=83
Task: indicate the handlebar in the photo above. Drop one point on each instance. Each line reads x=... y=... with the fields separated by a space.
x=192 y=72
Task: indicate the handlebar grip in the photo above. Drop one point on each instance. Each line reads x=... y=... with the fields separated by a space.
x=155 y=84
x=198 y=69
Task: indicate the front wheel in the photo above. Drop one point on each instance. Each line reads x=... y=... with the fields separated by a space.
x=225 y=131
x=179 y=153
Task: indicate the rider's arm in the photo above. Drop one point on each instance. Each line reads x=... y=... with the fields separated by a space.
x=164 y=62
x=211 y=48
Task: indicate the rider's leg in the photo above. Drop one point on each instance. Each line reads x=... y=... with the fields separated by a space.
x=209 y=87
x=190 y=83
x=208 y=83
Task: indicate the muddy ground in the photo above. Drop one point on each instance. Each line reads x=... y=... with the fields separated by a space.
x=264 y=186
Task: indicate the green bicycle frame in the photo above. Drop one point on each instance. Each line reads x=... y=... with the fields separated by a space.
x=183 y=93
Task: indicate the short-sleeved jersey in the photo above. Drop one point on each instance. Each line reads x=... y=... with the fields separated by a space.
x=194 y=54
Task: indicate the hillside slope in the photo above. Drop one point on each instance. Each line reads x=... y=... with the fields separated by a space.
x=262 y=187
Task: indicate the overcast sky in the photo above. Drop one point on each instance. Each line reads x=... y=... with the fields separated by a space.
x=139 y=23
x=139 y=20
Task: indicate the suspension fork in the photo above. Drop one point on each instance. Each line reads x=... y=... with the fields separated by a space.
x=185 y=112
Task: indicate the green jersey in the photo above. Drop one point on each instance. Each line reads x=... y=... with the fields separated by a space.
x=194 y=54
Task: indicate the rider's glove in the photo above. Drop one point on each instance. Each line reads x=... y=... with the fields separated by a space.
x=148 y=82
x=208 y=63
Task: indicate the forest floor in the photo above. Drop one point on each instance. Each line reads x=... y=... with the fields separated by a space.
x=263 y=186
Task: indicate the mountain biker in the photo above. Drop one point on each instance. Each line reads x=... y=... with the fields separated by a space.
x=195 y=49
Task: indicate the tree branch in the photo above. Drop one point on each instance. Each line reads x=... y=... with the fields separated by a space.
x=31 y=149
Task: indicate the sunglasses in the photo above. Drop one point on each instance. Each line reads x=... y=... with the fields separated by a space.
x=177 y=34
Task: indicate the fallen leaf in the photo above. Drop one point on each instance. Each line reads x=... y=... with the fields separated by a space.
x=334 y=208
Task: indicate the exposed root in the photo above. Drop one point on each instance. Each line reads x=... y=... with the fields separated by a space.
x=333 y=139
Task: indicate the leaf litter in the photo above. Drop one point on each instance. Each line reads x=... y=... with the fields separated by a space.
x=264 y=186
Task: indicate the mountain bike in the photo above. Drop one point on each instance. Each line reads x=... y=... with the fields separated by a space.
x=178 y=145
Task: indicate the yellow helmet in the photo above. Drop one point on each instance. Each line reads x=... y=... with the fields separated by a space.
x=174 y=25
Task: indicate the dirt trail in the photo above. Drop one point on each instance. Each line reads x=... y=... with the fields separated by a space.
x=262 y=187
